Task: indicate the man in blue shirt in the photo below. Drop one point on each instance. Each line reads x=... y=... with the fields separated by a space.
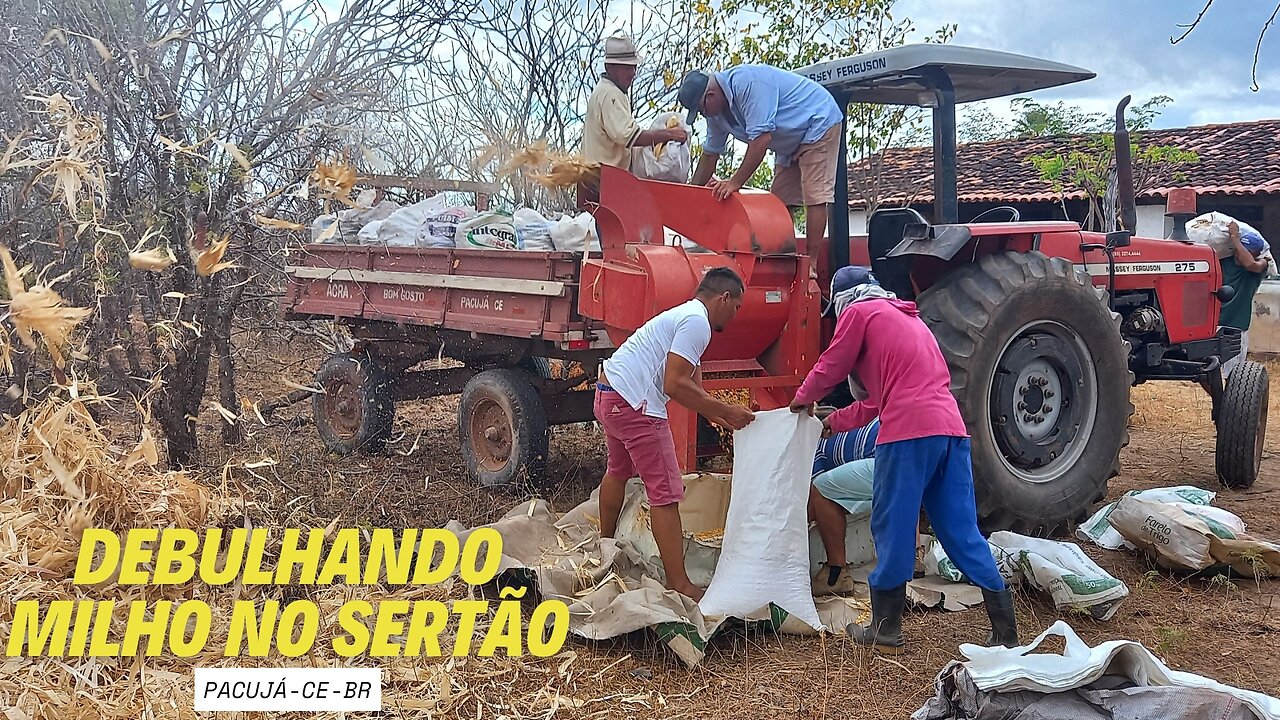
x=843 y=469
x=770 y=109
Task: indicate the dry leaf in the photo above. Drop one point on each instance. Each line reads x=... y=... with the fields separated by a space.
x=209 y=260
x=39 y=309
x=271 y=222
x=155 y=259
x=235 y=152
x=226 y=414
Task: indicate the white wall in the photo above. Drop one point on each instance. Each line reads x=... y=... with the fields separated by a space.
x=1152 y=223
x=857 y=222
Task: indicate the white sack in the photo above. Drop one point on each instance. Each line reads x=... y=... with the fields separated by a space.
x=368 y=234
x=487 y=231
x=324 y=229
x=575 y=234
x=675 y=160
x=442 y=228
x=1098 y=530
x=406 y=226
x=1061 y=569
x=1004 y=669
x=1212 y=229
x=1191 y=539
x=533 y=232
x=766 y=531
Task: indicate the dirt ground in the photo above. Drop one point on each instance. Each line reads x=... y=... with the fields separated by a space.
x=1225 y=630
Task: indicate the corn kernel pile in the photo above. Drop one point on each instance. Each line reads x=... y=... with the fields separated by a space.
x=737 y=396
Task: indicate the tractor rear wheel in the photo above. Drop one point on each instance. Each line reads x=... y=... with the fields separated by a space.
x=1242 y=425
x=1041 y=374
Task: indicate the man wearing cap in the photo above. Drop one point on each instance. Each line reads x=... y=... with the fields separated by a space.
x=611 y=130
x=890 y=358
x=770 y=109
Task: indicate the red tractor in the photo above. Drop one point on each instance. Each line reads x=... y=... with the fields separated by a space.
x=1044 y=326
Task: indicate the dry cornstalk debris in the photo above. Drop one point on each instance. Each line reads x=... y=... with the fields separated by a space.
x=549 y=168
x=60 y=473
x=39 y=310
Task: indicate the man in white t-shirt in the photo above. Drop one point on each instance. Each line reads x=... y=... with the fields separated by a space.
x=660 y=362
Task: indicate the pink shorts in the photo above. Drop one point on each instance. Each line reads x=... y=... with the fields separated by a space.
x=640 y=445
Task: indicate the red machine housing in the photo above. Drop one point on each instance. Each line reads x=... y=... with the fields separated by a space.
x=773 y=342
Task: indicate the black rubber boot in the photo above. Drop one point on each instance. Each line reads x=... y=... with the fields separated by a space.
x=885 y=632
x=1004 y=624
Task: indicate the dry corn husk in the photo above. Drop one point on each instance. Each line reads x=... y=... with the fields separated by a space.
x=661 y=147
x=334 y=180
x=550 y=168
x=61 y=473
x=209 y=260
x=39 y=310
x=154 y=260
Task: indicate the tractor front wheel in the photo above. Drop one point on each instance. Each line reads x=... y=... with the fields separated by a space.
x=1242 y=425
x=1041 y=375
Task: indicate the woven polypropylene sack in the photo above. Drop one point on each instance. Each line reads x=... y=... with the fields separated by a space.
x=766 y=533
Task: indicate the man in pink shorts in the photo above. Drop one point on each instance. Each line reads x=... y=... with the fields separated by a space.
x=658 y=363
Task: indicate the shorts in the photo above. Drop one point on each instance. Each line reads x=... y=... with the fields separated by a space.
x=810 y=179
x=639 y=445
x=849 y=485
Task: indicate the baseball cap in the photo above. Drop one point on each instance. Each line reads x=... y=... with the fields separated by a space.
x=847 y=278
x=692 y=89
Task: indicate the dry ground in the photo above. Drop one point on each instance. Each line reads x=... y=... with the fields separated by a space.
x=1227 y=631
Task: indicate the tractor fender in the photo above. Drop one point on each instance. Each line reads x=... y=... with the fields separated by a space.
x=940 y=241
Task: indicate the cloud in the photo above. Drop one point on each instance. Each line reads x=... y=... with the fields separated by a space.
x=1128 y=45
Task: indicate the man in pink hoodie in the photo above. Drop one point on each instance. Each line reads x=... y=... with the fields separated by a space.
x=896 y=371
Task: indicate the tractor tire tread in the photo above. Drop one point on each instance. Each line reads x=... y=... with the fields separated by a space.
x=959 y=310
x=1244 y=401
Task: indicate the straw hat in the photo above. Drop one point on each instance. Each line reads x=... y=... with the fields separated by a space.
x=619 y=50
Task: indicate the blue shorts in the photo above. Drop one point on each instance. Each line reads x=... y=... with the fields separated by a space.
x=849 y=485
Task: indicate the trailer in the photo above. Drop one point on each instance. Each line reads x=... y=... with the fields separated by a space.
x=501 y=328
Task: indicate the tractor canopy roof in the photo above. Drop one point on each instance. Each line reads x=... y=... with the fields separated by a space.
x=908 y=74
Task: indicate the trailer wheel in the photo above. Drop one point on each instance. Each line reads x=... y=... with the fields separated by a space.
x=502 y=429
x=1242 y=425
x=357 y=408
x=1041 y=375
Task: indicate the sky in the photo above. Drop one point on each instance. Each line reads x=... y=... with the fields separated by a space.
x=1126 y=42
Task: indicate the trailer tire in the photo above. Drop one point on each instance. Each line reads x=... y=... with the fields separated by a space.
x=1242 y=425
x=357 y=408
x=1041 y=374
x=502 y=429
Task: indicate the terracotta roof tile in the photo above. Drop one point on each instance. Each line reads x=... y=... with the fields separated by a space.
x=1235 y=159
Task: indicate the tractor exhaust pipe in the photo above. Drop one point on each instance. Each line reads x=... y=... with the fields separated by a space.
x=1124 y=171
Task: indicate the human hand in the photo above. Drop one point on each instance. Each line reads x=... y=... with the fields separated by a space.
x=798 y=407
x=826 y=427
x=722 y=189
x=677 y=134
x=736 y=417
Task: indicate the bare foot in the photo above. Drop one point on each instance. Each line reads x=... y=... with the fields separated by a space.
x=690 y=590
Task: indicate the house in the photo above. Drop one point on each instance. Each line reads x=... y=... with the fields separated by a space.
x=1238 y=173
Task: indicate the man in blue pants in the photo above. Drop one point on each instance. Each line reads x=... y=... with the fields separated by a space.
x=891 y=359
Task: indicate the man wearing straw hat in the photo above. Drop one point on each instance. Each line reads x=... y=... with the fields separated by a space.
x=611 y=130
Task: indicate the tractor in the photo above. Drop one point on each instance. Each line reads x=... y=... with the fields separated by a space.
x=1045 y=327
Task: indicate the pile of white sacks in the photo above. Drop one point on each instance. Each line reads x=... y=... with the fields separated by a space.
x=433 y=223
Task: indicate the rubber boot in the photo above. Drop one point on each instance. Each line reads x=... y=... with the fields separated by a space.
x=1004 y=624
x=884 y=634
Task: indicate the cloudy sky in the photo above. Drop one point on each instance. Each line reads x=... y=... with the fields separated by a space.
x=1126 y=42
